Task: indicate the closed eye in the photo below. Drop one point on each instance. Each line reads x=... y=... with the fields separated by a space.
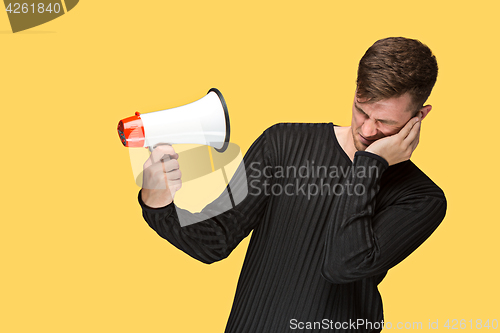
x=382 y=121
x=360 y=111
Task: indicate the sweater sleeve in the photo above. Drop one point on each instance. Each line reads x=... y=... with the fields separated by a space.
x=361 y=242
x=213 y=233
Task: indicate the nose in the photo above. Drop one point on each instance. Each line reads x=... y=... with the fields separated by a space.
x=368 y=129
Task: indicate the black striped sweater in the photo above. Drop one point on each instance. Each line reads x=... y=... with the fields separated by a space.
x=325 y=230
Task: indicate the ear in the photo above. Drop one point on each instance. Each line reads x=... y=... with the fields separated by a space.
x=422 y=113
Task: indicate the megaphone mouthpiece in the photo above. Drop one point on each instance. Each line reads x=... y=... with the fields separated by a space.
x=131 y=131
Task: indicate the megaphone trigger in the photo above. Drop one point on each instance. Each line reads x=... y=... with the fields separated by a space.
x=160 y=154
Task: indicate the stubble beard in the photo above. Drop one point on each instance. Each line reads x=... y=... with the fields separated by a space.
x=357 y=144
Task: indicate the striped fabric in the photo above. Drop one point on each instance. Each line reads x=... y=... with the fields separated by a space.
x=323 y=237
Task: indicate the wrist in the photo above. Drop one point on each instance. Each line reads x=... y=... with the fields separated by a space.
x=156 y=198
x=374 y=156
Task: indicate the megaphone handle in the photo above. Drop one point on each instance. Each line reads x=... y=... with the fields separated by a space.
x=165 y=157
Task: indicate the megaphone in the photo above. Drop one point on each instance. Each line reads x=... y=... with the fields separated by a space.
x=205 y=121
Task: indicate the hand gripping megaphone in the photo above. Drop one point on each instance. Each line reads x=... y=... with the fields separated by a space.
x=205 y=121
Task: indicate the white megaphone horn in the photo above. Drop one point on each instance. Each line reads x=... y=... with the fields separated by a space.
x=205 y=121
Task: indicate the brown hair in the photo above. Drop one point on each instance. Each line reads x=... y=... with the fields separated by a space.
x=394 y=66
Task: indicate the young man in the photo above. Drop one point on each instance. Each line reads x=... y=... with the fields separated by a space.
x=322 y=241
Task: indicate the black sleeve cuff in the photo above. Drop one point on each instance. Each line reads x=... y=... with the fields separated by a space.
x=372 y=155
x=166 y=209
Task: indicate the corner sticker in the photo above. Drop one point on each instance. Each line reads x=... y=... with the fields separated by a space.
x=29 y=14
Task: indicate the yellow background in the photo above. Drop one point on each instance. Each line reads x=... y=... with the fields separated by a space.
x=76 y=254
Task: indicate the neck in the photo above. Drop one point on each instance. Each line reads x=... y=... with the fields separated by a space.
x=344 y=137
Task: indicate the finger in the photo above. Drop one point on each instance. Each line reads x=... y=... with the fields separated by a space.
x=171 y=171
x=161 y=167
x=416 y=141
x=161 y=150
x=174 y=189
x=414 y=132
x=170 y=165
x=159 y=157
x=175 y=183
x=160 y=180
x=174 y=175
x=405 y=131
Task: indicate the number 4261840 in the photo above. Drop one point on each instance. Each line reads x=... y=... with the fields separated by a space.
x=17 y=8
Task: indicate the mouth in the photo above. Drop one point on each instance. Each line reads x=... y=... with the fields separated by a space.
x=365 y=141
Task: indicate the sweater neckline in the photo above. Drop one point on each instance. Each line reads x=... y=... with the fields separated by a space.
x=337 y=144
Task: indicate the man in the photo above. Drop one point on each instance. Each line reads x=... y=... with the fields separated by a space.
x=322 y=241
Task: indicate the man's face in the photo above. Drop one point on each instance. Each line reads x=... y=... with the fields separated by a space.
x=373 y=121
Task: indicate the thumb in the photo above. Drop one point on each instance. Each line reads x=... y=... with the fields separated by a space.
x=407 y=129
